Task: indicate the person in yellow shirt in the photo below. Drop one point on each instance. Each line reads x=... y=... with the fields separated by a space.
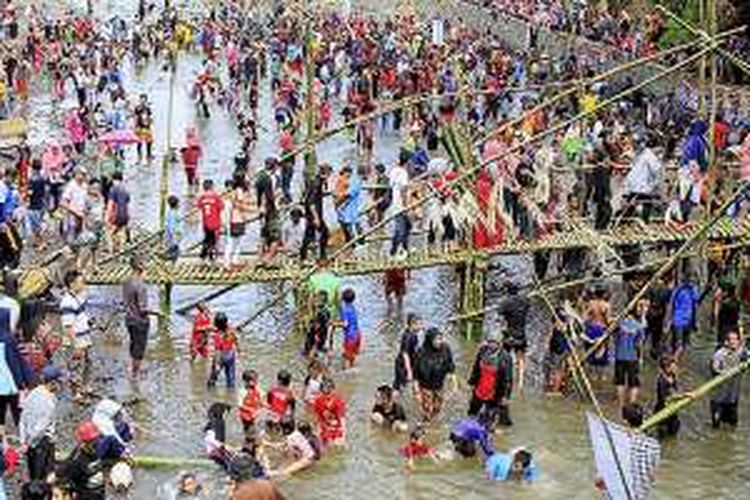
x=588 y=102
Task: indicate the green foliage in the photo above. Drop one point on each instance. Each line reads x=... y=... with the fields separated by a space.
x=676 y=34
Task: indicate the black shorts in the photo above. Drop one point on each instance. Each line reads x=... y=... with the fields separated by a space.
x=40 y=458
x=626 y=373
x=518 y=343
x=138 y=340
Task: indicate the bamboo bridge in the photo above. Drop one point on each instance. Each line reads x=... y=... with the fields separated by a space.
x=191 y=271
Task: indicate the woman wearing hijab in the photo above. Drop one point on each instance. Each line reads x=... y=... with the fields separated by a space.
x=114 y=431
x=696 y=145
x=434 y=362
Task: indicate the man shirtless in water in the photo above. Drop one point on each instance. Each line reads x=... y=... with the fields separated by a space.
x=596 y=320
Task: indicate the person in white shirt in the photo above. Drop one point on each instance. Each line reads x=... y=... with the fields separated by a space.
x=73 y=202
x=10 y=288
x=644 y=182
x=37 y=426
x=303 y=446
x=76 y=326
x=398 y=178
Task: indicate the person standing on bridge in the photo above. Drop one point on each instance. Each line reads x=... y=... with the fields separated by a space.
x=315 y=223
x=398 y=178
x=211 y=207
x=135 y=299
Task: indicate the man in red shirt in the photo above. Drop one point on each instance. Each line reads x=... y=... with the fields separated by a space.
x=211 y=206
x=329 y=409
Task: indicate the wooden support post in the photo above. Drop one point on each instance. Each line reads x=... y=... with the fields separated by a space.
x=165 y=306
x=472 y=275
x=311 y=162
x=303 y=303
x=165 y=293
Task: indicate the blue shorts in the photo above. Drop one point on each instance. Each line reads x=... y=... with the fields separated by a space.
x=34 y=218
x=594 y=331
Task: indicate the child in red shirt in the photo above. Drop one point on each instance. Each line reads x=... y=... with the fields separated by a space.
x=252 y=403
x=330 y=410
x=211 y=207
x=225 y=351
x=416 y=448
x=201 y=329
x=281 y=402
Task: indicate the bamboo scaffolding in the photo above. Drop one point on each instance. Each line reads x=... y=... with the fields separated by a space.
x=469 y=173
x=580 y=376
x=697 y=236
x=712 y=41
x=409 y=101
x=583 y=281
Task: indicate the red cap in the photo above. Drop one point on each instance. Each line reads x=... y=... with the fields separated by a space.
x=87 y=432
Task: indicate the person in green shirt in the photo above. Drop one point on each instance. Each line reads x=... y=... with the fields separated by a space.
x=326 y=281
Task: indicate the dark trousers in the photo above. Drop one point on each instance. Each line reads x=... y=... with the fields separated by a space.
x=499 y=413
x=723 y=413
x=208 y=246
x=603 y=215
x=40 y=458
x=10 y=403
x=400 y=233
x=655 y=330
x=645 y=201
x=287 y=173
x=309 y=238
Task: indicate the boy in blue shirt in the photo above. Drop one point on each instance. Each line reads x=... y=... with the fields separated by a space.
x=628 y=341
x=350 y=324
x=518 y=465
x=683 y=311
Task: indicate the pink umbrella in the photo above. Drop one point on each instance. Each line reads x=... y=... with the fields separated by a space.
x=116 y=137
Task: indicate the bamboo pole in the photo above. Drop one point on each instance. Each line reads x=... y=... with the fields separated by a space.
x=583 y=281
x=699 y=234
x=577 y=367
x=409 y=101
x=694 y=395
x=310 y=114
x=469 y=173
x=743 y=65
x=165 y=293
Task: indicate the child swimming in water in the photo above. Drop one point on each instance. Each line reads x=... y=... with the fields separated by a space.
x=417 y=448
x=388 y=413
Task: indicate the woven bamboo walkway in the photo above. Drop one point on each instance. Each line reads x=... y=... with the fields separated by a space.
x=190 y=271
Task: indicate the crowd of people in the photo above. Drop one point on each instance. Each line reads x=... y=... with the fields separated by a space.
x=648 y=157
